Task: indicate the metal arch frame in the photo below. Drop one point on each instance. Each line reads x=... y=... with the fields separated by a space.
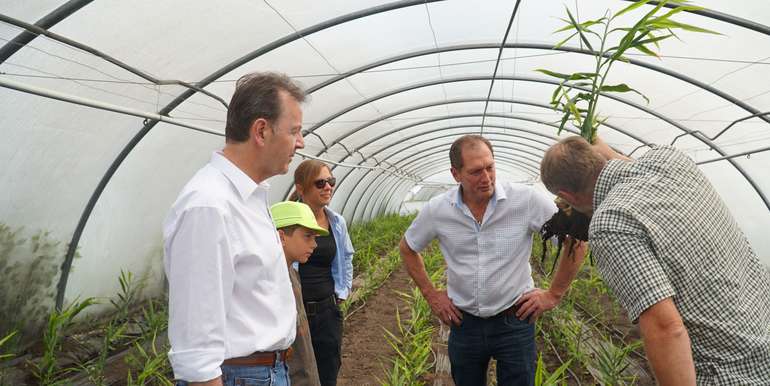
x=217 y=74
x=534 y=46
x=48 y=21
x=622 y=131
x=123 y=154
x=660 y=116
x=504 y=161
x=504 y=134
x=523 y=163
x=344 y=177
x=502 y=100
x=426 y=152
x=386 y=134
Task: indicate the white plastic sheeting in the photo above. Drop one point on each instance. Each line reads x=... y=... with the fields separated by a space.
x=54 y=153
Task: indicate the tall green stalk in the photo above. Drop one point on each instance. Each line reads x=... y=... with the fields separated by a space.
x=580 y=106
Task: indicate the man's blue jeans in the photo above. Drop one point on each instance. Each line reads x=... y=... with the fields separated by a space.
x=507 y=339
x=277 y=375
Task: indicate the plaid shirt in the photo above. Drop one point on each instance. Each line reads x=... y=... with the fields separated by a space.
x=660 y=230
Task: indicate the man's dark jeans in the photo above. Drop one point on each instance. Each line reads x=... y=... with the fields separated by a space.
x=504 y=337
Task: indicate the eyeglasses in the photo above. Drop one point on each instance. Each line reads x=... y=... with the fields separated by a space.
x=320 y=184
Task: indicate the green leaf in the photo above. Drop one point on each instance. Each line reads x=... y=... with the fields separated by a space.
x=687 y=27
x=646 y=51
x=561 y=43
x=622 y=87
x=680 y=9
x=553 y=99
x=574 y=76
x=584 y=25
x=579 y=30
x=653 y=40
x=631 y=8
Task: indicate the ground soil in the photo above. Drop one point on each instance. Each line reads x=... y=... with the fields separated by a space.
x=366 y=353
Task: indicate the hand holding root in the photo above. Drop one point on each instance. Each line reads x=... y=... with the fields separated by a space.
x=443 y=307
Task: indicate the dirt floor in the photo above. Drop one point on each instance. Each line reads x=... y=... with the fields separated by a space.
x=365 y=351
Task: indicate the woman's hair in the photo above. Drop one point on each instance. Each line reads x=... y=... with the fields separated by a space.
x=305 y=174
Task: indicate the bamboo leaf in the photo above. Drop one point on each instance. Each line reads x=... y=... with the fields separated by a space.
x=553 y=99
x=583 y=25
x=631 y=8
x=647 y=51
x=561 y=43
x=680 y=9
x=564 y=119
x=553 y=73
x=687 y=27
x=579 y=30
x=622 y=87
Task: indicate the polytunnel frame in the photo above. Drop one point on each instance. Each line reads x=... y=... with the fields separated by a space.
x=504 y=134
x=149 y=124
x=466 y=100
x=428 y=161
x=75 y=5
x=680 y=126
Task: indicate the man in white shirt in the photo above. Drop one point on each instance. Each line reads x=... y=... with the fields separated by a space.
x=484 y=230
x=231 y=306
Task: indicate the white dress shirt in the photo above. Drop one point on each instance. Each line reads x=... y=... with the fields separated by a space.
x=229 y=288
x=488 y=263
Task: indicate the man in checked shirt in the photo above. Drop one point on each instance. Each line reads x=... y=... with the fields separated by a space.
x=674 y=256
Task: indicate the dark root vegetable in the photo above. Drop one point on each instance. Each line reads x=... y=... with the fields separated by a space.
x=564 y=223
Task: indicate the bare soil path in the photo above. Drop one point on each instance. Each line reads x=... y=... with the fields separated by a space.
x=365 y=350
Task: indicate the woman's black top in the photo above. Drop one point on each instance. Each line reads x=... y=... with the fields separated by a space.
x=316 y=274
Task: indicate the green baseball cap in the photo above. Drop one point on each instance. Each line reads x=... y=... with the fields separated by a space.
x=289 y=213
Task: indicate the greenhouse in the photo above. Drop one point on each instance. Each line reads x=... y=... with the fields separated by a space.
x=110 y=108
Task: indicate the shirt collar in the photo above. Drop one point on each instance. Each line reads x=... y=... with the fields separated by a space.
x=612 y=173
x=455 y=198
x=242 y=182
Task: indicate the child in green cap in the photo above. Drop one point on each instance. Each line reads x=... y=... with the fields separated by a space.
x=297 y=229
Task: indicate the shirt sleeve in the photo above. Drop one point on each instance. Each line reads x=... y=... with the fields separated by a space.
x=348 y=258
x=631 y=269
x=541 y=209
x=422 y=230
x=200 y=274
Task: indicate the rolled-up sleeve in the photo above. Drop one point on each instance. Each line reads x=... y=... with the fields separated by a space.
x=422 y=230
x=541 y=209
x=200 y=276
x=630 y=268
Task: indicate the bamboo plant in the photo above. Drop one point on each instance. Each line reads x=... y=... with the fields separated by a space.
x=577 y=96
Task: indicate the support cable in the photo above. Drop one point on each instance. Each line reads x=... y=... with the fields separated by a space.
x=497 y=63
x=61 y=39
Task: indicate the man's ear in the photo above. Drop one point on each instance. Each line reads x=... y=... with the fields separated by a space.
x=259 y=131
x=570 y=197
x=282 y=236
x=455 y=174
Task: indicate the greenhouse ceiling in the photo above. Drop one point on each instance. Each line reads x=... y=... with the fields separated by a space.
x=110 y=106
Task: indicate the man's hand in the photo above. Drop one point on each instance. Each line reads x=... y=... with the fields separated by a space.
x=443 y=307
x=533 y=303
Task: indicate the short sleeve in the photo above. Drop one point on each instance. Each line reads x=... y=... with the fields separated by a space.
x=631 y=269
x=422 y=230
x=541 y=209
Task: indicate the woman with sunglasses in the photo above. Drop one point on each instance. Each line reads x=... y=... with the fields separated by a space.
x=327 y=276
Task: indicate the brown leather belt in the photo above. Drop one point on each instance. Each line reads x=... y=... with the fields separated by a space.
x=509 y=311
x=260 y=358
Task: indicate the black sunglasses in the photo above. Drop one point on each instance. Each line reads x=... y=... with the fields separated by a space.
x=322 y=182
